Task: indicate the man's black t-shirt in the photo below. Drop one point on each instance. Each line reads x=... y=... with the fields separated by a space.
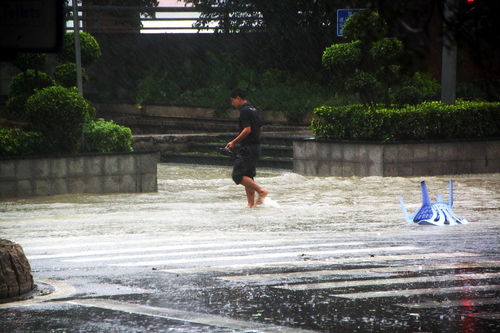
x=250 y=117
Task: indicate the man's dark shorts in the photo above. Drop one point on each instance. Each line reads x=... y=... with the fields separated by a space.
x=245 y=162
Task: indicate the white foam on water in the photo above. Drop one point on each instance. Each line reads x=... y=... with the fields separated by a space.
x=268 y=202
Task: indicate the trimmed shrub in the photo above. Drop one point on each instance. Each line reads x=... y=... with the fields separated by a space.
x=417 y=89
x=22 y=86
x=429 y=120
x=65 y=74
x=59 y=114
x=26 y=83
x=90 y=49
x=16 y=142
x=342 y=58
x=366 y=26
x=25 y=61
x=408 y=95
x=105 y=136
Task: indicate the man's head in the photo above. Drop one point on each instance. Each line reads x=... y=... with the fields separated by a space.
x=238 y=98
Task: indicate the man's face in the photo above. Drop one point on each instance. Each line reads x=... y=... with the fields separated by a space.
x=236 y=102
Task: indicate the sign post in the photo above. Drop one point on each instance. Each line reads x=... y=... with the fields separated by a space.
x=342 y=16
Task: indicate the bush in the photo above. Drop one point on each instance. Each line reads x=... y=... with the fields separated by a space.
x=16 y=142
x=366 y=26
x=65 y=75
x=342 y=58
x=105 y=136
x=22 y=86
x=429 y=120
x=408 y=95
x=429 y=89
x=90 y=49
x=26 y=83
x=25 y=61
x=59 y=114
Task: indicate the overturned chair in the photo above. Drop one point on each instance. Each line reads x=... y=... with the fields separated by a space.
x=437 y=213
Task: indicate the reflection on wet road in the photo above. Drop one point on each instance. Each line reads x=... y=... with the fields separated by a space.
x=336 y=255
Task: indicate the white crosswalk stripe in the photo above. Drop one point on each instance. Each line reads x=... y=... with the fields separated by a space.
x=296 y=264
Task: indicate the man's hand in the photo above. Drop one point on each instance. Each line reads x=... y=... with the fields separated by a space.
x=230 y=145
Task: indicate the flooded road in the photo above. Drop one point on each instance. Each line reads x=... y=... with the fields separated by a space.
x=202 y=199
x=332 y=254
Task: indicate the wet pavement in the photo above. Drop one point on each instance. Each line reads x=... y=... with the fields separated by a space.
x=329 y=254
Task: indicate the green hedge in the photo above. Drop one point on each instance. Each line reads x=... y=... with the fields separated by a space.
x=16 y=142
x=105 y=136
x=429 y=120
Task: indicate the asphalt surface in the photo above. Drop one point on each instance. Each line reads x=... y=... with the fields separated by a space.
x=190 y=259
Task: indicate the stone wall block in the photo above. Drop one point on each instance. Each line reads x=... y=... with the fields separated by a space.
x=127 y=165
x=41 y=168
x=76 y=166
x=111 y=165
x=25 y=188
x=391 y=152
x=23 y=169
x=324 y=152
x=42 y=187
x=336 y=168
x=58 y=168
x=405 y=153
x=111 y=184
x=128 y=184
x=492 y=151
x=299 y=166
x=58 y=186
x=8 y=188
x=7 y=170
x=351 y=153
x=148 y=183
x=147 y=163
x=94 y=184
x=421 y=152
x=76 y=185
x=337 y=152
x=94 y=166
x=323 y=168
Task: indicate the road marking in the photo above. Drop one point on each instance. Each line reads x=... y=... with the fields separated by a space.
x=185 y=316
x=265 y=255
x=323 y=262
x=450 y=304
x=413 y=292
x=61 y=290
x=191 y=242
x=388 y=281
x=484 y=315
x=232 y=250
x=274 y=277
x=179 y=247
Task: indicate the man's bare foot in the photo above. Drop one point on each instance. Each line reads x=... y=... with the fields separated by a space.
x=262 y=195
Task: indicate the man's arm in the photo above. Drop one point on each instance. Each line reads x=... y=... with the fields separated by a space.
x=243 y=134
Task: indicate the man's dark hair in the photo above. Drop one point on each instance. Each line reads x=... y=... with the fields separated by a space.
x=238 y=93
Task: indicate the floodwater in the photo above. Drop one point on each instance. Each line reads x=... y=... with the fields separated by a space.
x=201 y=203
x=195 y=198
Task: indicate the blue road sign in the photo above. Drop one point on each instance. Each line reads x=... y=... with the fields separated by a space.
x=342 y=16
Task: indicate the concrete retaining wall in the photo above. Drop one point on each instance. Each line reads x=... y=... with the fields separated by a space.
x=183 y=112
x=345 y=159
x=89 y=173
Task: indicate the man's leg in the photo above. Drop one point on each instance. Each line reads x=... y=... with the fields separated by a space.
x=250 y=196
x=250 y=184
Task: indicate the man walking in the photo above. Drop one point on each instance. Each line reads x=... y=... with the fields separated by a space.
x=248 y=151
